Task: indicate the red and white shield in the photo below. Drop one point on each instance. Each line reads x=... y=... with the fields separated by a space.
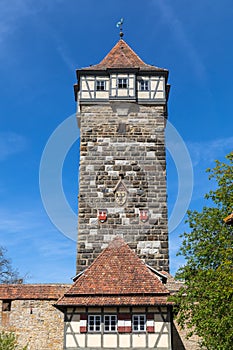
x=144 y=215
x=102 y=215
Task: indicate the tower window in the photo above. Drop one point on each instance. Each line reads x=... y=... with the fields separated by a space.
x=94 y=323
x=110 y=323
x=139 y=323
x=6 y=305
x=144 y=85
x=122 y=83
x=100 y=85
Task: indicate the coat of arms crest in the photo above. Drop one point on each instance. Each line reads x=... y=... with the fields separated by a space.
x=144 y=214
x=102 y=215
x=121 y=193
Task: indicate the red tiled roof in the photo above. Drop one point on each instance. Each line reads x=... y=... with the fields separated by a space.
x=32 y=291
x=122 y=56
x=117 y=276
x=114 y=300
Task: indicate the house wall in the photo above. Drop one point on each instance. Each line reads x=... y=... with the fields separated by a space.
x=78 y=338
x=35 y=322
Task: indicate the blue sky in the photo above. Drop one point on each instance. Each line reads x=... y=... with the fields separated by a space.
x=41 y=45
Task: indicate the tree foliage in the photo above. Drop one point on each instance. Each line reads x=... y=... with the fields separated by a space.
x=8 y=341
x=205 y=304
x=7 y=273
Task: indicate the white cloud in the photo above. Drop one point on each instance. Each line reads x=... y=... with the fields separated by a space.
x=66 y=57
x=11 y=143
x=208 y=151
x=12 y=12
x=181 y=36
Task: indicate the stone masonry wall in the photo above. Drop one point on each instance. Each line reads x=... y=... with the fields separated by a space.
x=123 y=142
x=35 y=322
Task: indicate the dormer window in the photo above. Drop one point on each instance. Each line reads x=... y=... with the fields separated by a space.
x=122 y=83
x=100 y=85
x=144 y=85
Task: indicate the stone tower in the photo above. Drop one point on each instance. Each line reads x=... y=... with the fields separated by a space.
x=122 y=111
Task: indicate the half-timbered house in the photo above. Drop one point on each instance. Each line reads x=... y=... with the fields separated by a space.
x=117 y=303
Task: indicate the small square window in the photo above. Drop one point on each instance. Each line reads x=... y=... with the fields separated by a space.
x=122 y=83
x=139 y=323
x=94 y=323
x=6 y=305
x=110 y=323
x=144 y=85
x=100 y=85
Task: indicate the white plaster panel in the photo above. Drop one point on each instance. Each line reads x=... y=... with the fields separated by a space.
x=124 y=340
x=159 y=326
x=152 y=338
x=70 y=341
x=163 y=341
x=85 y=94
x=159 y=94
x=110 y=340
x=81 y=340
x=139 y=340
x=122 y=92
x=75 y=326
x=94 y=340
x=102 y=94
x=144 y=94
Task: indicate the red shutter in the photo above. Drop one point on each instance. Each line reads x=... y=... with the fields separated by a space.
x=150 y=328
x=124 y=323
x=83 y=323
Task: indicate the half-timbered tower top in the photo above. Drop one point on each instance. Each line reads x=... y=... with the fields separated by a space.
x=122 y=75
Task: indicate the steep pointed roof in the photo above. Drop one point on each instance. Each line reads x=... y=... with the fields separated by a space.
x=122 y=56
x=116 y=277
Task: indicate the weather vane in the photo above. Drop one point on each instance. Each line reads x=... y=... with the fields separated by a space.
x=119 y=25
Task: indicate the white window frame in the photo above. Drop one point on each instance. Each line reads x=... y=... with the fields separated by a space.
x=95 y=317
x=137 y=326
x=111 y=317
x=144 y=85
x=122 y=83
x=100 y=85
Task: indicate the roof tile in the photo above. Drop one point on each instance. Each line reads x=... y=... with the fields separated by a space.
x=32 y=291
x=122 y=56
x=117 y=276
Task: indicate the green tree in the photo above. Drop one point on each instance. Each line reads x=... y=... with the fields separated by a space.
x=205 y=304
x=7 y=273
x=8 y=341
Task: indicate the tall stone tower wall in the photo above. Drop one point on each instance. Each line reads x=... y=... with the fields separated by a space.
x=122 y=143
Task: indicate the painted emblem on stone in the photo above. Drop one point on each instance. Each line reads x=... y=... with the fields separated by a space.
x=102 y=215
x=144 y=214
x=121 y=193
